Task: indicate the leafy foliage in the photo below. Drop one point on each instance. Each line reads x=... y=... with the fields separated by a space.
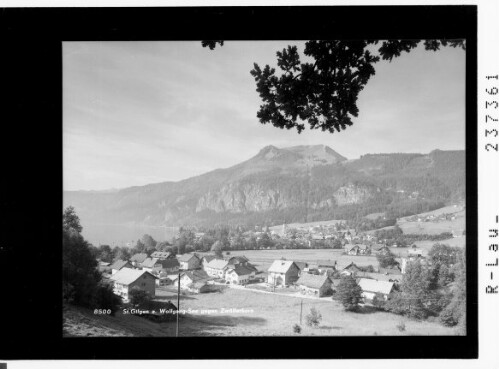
x=323 y=92
x=81 y=279
x=139 y=297
x=386 y=260
x=313 y=319
x=349 y=293
x=455 y=312
x=296 y=328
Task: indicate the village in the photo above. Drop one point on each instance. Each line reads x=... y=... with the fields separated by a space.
x=204 y=272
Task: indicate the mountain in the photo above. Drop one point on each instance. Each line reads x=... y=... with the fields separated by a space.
x=300 y=183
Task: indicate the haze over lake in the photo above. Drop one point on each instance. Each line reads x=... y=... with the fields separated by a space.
x=121 y=234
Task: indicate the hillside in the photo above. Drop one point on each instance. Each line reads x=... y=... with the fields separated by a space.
x=294 y=184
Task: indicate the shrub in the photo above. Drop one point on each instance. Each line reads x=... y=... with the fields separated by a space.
x=104 y=298
x=139 y=297
x=401 y=327
x=296 y=328
x=313 y=318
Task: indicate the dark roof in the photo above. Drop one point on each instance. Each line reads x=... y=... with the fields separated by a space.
x=209 y=258
x=139 y=258
x=312 y=281
x=169 y=263
x=240 y=259
x=301 y=264
x=352 y=265
x=242 y=270
x=118 y=264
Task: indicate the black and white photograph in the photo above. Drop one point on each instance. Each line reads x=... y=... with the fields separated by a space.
x=264 y=188
x=252 y=185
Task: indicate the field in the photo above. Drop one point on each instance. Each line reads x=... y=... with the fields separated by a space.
x=262 y=259
x=265 y=315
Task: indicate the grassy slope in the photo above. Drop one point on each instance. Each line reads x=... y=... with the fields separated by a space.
x=275 y=315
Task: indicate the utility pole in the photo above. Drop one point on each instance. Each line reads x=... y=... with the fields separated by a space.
x=301 y=309
x=178 y=301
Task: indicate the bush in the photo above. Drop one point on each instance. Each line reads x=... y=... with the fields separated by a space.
x=296 y=328
x=314 y=318
x=401 y=327
x=139 y=297
x=104 y=298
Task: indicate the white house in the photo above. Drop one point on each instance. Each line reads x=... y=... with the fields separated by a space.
x=372 y=287
x=282 y=273
x=217 y=268
x=189 y=261
x=126 y=279
x=192 y=276
x=239 y=274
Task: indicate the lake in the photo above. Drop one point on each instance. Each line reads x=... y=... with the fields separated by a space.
x=121 y=234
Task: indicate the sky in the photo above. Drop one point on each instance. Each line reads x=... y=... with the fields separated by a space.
x=136 y=113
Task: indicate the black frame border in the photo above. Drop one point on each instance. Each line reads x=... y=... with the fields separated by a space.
x=31 y=200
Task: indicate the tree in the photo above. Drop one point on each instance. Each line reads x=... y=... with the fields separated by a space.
x=323 y=92
x=139 y=247
x=349 y=293
x=313 y=319
x=71 y=221
x=162 y=246
x=386 y=260
x=139 y=297
x=121 y=253
x=149 y=243
x=443 y=254
x=415 y=296
x=105 y=253
x=455 y=312
x=105 y=298
x=79 y=267
x=265 y=241
x=216 y=248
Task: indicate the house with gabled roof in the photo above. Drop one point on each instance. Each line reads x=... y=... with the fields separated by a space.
x=351 y=269
x=148 y=264
x=239 y=274
x=120 y=264
x=317 y=285
x=138 y=259
x=352 y=249
x=206 y=259
x=373 y=287
x=126 y=279
x=192 y=276
x=189 y=261
x=168 y=266
x=282 y=273
x=364 y=249
x=217 y=268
